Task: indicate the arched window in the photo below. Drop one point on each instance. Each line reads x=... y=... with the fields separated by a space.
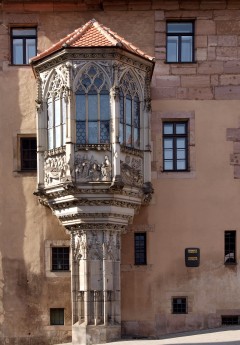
x=129 y=128
x=56 y=111
x=92 y=108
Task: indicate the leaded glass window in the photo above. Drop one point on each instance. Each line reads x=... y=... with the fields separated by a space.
x=93 y=108
x=56 y=114
x=129 y=127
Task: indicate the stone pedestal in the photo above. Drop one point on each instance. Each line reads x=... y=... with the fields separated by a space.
x=91 y=334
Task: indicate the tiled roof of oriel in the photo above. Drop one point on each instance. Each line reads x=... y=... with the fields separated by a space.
x=92 y=34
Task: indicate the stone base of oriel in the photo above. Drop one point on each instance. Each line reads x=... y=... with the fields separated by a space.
x=90 y=334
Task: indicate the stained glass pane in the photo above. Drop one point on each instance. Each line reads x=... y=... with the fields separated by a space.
x=57 y=136
x=50 y=115
x=57 y=112
x=92 y=106
x=121 y=133
x=81 y=106
x=64 y=134
x=86 y=82
x=81 y=132
x=104 y=106
x=121 y=108
x=92 y=132
x=136 y=112
x=50 y=139
x=104 y=132
x=98 y=82
x=24 y=32
x=64 y=111
x=136 y=133
x=128 y=110
x=128 y=135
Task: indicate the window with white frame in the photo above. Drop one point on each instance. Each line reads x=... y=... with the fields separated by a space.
x=129 y=127
x=92 y=108
x=56 y=111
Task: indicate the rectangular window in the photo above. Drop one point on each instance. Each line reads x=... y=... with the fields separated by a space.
x=23 y=45
x=179 y=305
x=175 y=146
x=180 y=42
x=56 y=316
x=140 y=248
x=60 y=258
x=230 y=247
x=28 y=149
x=230 y=320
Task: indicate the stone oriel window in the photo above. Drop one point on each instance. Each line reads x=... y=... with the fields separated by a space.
x=28 y=153
x=175 y=146
x=179 y=305
x=93 y=108
x=140 y=248
x=230 y=247
x=60 y=258
x=180 y=42
x=56 y=316
x=23 y=45
x=129 y=128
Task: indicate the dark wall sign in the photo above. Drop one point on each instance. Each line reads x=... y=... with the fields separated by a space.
x=192 y=257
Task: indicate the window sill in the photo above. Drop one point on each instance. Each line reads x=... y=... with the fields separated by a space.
x=176 y=174
x=25 y=173
x=230 y=263
x=140 y=268
x=180 y=63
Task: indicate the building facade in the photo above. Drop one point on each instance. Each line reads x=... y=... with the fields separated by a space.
x=126 y=222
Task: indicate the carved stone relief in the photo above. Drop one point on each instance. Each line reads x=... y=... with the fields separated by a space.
x=56 y=169
x=90 y=169
x=131 y=171
x=96 y=245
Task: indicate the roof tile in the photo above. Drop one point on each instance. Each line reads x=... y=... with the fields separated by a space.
x=92 y=34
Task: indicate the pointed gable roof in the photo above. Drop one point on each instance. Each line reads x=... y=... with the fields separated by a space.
x=92 y=34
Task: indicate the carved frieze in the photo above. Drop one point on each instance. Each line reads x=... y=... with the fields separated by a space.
x=96 y=245
x=56 y=169
x=131 y=171
x=90 y=169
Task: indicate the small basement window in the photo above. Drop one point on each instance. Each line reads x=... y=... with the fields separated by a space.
x=230 y=320
x=56 y=316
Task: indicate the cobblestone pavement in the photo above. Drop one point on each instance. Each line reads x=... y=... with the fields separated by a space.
x=220 y=336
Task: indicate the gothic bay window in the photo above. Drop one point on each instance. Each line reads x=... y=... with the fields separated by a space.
x=93 y=108
x=56 y=109
x=129 y=128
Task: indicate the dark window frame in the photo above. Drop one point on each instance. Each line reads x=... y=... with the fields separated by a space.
x=230 y=247
x=60 y=260
x=24 y=40
x=57 y=316
x=180 y=35
x=140 y=248
x=23 y=153
x=174 y=136
x=230 y=320
x=179 y=308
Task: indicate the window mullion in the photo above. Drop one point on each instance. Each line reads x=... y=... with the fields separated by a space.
x=98 y=118
x=86 y=126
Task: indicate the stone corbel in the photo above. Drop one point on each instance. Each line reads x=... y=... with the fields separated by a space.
x=147 y=192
